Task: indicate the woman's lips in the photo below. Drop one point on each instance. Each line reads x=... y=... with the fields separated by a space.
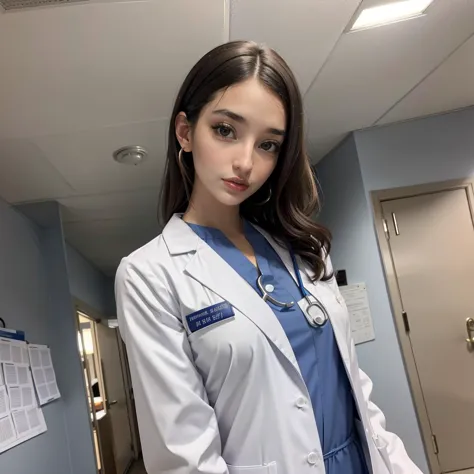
x=235 y=185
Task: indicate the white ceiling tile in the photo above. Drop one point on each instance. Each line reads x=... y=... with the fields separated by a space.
x=105 y=242
x=449 y=87
x=372 y=69
x=27 y=175
x=81 y=80
x=319 y=148
x=96 y=64
x=101 y=207
x=302 y=31
x=85 y=158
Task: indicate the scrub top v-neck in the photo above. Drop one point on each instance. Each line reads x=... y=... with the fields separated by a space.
x=315 y=349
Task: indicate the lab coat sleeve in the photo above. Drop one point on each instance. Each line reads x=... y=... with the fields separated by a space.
x=178 y=427
x=399 y=459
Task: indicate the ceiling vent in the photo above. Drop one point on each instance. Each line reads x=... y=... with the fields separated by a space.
x=21 y=4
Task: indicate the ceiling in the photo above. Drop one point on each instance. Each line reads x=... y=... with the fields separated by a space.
x=81 y=80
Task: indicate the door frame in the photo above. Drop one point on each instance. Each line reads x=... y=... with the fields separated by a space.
x=87 y=311
x=98 y=318
x=378 y=197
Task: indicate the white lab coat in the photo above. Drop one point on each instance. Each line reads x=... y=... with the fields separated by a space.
x=228 y=398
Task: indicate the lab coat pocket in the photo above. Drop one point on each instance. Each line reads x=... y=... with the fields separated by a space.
x=266 y=469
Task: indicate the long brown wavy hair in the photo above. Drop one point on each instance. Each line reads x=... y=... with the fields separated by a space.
x=287 y=215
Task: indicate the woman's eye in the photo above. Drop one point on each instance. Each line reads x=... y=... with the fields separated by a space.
x=270 y=147
x=224 y=131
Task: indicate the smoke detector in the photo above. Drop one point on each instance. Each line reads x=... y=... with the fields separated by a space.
x=130 y=155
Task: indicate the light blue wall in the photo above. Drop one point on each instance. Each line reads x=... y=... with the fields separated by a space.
x=347 y=214
x=24 y=305
x=420 y=151
x=35 y=297
x=89 y=284
x=427 y=150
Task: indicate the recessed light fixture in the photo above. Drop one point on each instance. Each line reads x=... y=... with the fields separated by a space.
x=130 y=155
x=390 y=13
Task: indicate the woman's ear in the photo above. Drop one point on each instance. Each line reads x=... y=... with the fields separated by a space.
x=183 y=131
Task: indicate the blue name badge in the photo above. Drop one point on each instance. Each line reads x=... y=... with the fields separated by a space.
x=211 y=315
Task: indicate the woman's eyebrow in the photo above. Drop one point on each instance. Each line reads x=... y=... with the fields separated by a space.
x=240 y=119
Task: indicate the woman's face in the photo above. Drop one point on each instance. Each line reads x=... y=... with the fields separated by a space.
x=236 y=141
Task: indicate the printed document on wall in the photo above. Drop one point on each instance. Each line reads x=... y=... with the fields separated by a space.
x=7 y=433
x=43 y=373
x=4 y=402
x=357 y=304
x=13 y=351
x=20 y=426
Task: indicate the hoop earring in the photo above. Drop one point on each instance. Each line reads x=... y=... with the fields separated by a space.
x=266 y=200
x=184 y=174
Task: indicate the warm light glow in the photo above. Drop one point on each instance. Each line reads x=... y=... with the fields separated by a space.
x=87 y=335
x=390 y=12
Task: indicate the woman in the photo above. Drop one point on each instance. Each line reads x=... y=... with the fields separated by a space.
x=232 y=371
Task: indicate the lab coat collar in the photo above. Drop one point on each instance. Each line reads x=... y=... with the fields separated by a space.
x=179 y=238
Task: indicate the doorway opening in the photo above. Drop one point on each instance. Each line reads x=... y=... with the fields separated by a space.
x=108 y=392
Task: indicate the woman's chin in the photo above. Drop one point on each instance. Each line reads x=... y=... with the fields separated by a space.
x=232 y=200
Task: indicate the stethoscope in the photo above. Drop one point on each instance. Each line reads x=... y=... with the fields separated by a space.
x=315 y=312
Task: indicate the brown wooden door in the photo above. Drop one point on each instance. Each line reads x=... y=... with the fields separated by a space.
x=432 y=245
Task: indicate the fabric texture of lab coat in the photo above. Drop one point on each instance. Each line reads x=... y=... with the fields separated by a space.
x=315 y=349
x=228 y=398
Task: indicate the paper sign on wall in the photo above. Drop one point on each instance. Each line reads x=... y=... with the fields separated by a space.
x=43 y=373
x=20 y=417
x=357 y=304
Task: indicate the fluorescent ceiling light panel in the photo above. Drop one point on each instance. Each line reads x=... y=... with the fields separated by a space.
x=390 y=13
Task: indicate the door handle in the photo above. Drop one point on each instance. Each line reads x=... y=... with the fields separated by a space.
x=113 y=402
x=470 y=330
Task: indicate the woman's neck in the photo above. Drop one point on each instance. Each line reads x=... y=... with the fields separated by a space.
x=205 y=210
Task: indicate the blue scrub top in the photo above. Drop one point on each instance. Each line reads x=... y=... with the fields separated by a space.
x=315 y=349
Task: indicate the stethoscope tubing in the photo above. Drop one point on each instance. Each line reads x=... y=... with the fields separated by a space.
x=315 y=322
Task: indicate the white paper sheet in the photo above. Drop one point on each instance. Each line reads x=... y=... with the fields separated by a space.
x=20 y=421
x=20 y=426
x=24 y=352
x=11 y=374
x=14 y=394
x=23 y=375
x=33 y=418
x=21 y=397
x=43 y=373
x=7 y=432
x=27 y=396
x=34 y=357
x=357 y=303
x=43 y=392
x=13 y=351
x=16 y=374
x=5 y=350
x=38 y=375
x=4 y=402
x=28 y=421
x=20 y=417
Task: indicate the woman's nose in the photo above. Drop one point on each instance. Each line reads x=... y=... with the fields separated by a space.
x=243 y=162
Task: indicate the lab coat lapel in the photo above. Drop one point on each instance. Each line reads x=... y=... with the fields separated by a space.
x=212 y=271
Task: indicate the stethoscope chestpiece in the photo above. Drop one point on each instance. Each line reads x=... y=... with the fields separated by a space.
x=316 y=314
